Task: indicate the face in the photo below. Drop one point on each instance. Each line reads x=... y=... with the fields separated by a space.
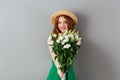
x=62 y=24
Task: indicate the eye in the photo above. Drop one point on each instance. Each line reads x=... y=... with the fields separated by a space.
x=65 y=22
x=59 y=22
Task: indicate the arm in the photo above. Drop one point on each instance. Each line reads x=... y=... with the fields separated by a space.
x=55 y=61
x=53 y=56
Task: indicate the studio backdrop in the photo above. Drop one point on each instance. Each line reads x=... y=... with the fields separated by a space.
x=25 y=26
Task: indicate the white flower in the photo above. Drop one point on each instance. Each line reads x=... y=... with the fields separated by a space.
x=78 y=42
x=54 y=35
x=51 y=42
x=60 y=37
x=60 y=34
x=65 y=40
x=77 y=37
x=65 y=33
x=58 y=41
x=71 y=36
x=67 y=46
x=66 y=36
x=69 y=31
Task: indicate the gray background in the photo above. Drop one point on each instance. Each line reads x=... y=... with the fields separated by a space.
x=25 y=26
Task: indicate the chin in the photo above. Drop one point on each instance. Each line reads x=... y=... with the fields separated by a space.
x=63 y=31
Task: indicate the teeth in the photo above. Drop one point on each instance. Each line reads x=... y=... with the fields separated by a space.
x=62 y=28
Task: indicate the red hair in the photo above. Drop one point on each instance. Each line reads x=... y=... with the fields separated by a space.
x=70 y=24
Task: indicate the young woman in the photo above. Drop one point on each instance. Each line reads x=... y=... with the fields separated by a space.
x=62 y=20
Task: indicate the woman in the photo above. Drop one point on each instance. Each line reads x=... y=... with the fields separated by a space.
x=62 y=20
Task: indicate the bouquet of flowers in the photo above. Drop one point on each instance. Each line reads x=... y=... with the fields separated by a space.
x=65 y=47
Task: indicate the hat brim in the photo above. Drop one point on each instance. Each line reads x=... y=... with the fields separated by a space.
x=63 y=12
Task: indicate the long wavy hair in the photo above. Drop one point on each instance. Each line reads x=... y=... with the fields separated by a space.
x=70 y=24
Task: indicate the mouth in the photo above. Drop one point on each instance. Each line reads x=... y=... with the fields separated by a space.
x=63 y=28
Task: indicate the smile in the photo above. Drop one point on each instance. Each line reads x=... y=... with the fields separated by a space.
x=63 y=28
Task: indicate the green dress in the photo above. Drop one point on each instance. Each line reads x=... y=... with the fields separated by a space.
x=53 y=75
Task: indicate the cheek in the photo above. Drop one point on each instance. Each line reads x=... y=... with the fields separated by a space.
x=66 y=26
x=59 y=26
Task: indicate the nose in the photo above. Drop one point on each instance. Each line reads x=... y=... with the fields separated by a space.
x=62 y=24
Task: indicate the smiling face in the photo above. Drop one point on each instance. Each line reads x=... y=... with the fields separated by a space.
x=62 y=24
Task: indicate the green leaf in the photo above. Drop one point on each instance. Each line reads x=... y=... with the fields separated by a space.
x=55 y=57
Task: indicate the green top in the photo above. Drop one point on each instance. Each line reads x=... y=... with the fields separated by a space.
x=53 y=75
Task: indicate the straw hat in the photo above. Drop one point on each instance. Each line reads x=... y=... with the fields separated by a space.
x=63 y=12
